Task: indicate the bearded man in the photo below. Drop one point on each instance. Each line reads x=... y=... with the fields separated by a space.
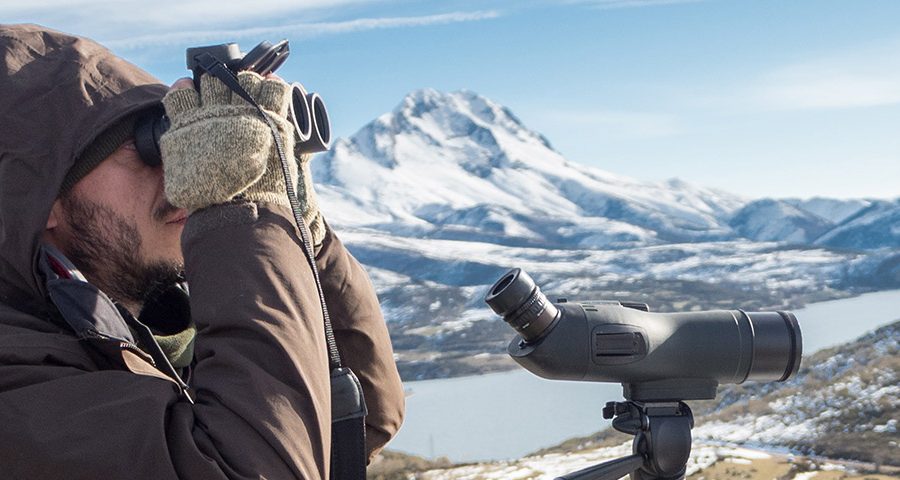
x=108 y=367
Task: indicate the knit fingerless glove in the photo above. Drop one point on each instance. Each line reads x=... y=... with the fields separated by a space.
x=218 y=146
x=309 y=203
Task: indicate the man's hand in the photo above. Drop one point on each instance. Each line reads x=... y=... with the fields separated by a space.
x=218 y=146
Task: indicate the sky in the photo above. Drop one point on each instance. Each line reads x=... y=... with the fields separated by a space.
x=762 y=98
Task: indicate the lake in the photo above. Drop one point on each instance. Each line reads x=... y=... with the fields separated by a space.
x=508 y=415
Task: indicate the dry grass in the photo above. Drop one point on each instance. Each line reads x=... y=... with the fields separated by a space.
x=390 y=465
x=838 y=475
x=728 y=469
x=778 y=468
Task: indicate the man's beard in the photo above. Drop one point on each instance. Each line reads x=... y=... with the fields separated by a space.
x=107 y=248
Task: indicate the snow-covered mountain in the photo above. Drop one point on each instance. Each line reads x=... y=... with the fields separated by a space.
x=441 y=196
x=461 y=166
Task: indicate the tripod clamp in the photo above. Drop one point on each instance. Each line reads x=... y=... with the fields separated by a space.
x=661 y=447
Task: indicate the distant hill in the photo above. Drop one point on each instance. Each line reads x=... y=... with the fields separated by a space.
x=773 y=220
x=875 y=226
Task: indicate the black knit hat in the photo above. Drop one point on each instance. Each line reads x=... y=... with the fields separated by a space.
x=99 y=149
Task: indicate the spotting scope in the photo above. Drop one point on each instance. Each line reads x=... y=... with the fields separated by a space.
x=657 y=357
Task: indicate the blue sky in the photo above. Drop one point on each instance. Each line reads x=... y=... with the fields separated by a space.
x=781 y=98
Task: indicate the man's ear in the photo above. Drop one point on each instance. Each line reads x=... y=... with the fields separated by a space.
x=55 y=215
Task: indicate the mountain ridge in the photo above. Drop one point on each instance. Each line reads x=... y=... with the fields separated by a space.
x=442 y=160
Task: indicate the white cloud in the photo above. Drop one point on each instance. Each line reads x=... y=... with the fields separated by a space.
x=300 y=30
x=617 y=4
x=833 y=85
x=866 y=75
x=126 y=23
x=166 y=13
x=619 y=124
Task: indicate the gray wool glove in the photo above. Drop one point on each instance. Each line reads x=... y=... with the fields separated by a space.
x=309 y=204
x=218 y=146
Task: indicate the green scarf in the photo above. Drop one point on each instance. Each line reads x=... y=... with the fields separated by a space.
x=178 y=347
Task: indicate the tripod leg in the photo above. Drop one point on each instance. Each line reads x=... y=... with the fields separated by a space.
x=611 y=470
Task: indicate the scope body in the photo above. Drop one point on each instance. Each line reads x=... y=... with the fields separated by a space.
x=655 y=356
x=653 y=352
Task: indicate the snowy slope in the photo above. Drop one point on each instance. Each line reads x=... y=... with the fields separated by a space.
x=770 y=220
x=552 y=465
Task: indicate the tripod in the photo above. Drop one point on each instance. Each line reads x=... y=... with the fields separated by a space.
x=662 y=442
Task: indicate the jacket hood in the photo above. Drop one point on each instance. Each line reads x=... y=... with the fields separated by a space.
x=57 y=93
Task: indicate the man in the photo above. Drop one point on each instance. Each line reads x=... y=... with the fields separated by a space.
x=108 y=369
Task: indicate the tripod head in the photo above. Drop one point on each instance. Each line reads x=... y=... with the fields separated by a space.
x=661 y=447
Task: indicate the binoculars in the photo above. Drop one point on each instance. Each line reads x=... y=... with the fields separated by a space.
x=307 y=113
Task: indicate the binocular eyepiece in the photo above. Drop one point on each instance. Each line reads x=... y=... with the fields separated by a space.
x=307 y=112
x=655 y=356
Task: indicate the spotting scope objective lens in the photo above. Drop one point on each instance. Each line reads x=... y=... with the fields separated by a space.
x=520 y=302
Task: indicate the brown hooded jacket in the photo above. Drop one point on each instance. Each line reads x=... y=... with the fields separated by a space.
x=91 y=406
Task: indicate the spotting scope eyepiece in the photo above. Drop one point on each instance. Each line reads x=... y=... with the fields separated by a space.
x=522 y=305
x=655 y=356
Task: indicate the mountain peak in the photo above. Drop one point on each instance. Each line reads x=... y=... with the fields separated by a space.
x=459 y=162
x=462 y=112
x=439 y=131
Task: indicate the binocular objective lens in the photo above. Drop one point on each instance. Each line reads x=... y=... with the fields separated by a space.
x=299 y=113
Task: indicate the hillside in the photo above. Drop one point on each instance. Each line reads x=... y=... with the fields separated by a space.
x=844 y=404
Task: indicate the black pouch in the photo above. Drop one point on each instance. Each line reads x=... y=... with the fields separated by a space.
x=348 y=426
